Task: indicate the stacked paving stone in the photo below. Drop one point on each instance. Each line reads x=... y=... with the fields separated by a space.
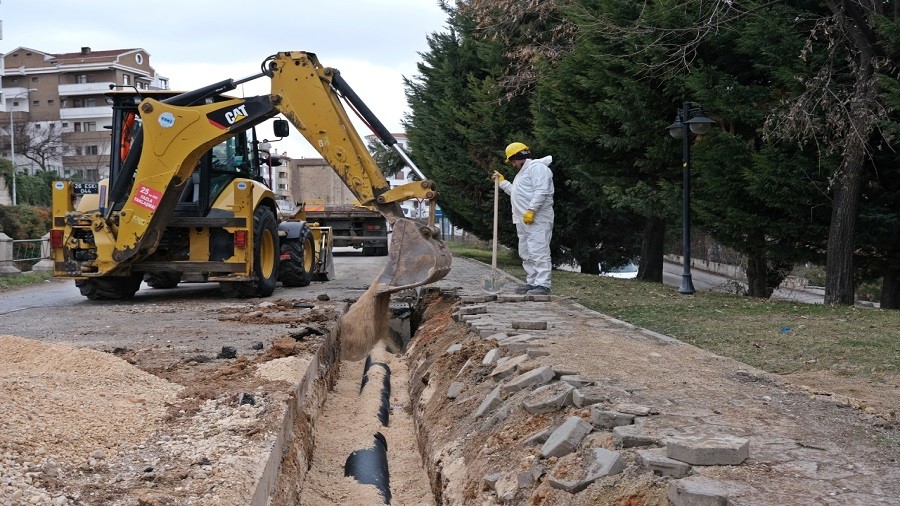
x=521 y=382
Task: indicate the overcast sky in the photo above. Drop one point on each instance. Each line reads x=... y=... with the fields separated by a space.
x=374 y=43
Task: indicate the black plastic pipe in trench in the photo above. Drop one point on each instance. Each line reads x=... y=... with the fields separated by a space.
x=369 y=466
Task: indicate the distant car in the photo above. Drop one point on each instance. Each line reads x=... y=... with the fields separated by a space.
x=627 y=271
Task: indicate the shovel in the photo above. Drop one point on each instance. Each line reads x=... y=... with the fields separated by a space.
x=496 y=281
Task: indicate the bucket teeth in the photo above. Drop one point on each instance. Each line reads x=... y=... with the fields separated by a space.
x=415 y=259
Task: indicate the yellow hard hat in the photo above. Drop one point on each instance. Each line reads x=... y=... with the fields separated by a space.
x=514 y=149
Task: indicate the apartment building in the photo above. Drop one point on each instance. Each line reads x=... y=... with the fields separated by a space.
x=55 y=107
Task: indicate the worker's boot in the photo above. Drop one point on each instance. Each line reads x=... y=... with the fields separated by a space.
x=523 y=289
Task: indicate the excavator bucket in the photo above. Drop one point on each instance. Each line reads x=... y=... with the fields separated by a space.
x=416 y=258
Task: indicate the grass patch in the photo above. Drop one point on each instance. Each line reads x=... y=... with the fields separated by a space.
x=24 y=279
x=775 y=336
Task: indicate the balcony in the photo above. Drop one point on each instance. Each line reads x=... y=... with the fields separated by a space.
x=66 y=90
x=98 y=138
x=82 y=113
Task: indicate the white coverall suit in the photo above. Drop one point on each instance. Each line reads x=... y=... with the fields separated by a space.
x=532 y=188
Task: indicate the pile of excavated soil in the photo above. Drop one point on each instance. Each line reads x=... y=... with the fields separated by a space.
x=66 y=405
x=81 y=426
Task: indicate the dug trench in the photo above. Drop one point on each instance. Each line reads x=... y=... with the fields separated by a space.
x=461 y=405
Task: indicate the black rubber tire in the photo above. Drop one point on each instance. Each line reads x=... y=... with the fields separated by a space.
x=110 y=287
x=297 y=269
x=369 y=251
x=162 y=280
x=381 y=251
x=265 y=259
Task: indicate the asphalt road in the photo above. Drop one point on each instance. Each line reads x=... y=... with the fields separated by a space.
x=185 y=318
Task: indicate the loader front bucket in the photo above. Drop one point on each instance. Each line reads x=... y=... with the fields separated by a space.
x=416 y=258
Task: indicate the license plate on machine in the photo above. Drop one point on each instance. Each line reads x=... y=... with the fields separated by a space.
x=85 y=188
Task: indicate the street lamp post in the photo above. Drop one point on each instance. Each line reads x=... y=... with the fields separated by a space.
x=694 y=119
x=12 y=141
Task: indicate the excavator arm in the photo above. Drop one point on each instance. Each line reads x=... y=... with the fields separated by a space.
x=308 y=94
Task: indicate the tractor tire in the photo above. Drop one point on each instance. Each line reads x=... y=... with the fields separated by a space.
x=298 y=260
x=265 y=259
x=162 y=280
x=110 y=287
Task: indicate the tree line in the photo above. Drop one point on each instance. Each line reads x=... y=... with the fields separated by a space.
x=801 y=166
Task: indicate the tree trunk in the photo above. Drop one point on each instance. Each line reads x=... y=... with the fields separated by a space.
x=589 y=262
x=756 y=276
x=652 y=248
x=890 y=288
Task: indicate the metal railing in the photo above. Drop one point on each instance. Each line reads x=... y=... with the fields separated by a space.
x=24 y=250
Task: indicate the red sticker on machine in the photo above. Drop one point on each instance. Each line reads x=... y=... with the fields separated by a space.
x=147 y=197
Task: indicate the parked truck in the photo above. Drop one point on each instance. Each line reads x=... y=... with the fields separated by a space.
x=325 y=200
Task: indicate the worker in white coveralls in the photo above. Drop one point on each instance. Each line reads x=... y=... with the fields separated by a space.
x=531 y=193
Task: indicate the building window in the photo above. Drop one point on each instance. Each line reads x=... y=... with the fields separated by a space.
x=51 y=102
x=282 y=186
x=90 y=102
x=35 y=103
x=82 y=79
x=34 y=79
x=282 y=175
x=91 y=150
x=78 y=151
x=77 y=126
x=64 y=103
x=139 y=58
x=77 y=102
x=65 y=125
x=126 y=80
x=90 y=126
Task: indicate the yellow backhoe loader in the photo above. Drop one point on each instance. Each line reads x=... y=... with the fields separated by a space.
x=185 y=199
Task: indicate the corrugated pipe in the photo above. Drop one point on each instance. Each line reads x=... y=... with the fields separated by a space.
x=369 y=466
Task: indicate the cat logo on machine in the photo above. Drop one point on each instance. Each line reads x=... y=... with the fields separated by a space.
x=236 y=114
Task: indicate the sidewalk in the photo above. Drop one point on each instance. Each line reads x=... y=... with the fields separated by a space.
x=637 y=398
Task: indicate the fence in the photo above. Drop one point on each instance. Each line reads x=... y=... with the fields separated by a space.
x=23 y=250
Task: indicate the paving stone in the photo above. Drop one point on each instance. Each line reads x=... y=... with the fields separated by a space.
x=520 y=347
x=490 y=481
x=454 y=389
x=575 y=380
x=453 y=348
x=589 y=395
x=535 y=377
x=549 y=398
x=485 y=333
x=566 y=438
x=497 y=335
x=529 y=325
x=540 y=437
x=538 y=298
x=629 y=436
x=477 y=299
x=474 y=319
x=490 y=402
x=708 y=450
x=605 y=419
x=508 y=368
x=655 y=460
x=525 y=479
x=470 y=310
x=595 y=464
x=562 y=370
x=537 y=352
x=699 y=490
x=634 y=409
x=492 y=356
x=510 y=298
x=518 y=338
